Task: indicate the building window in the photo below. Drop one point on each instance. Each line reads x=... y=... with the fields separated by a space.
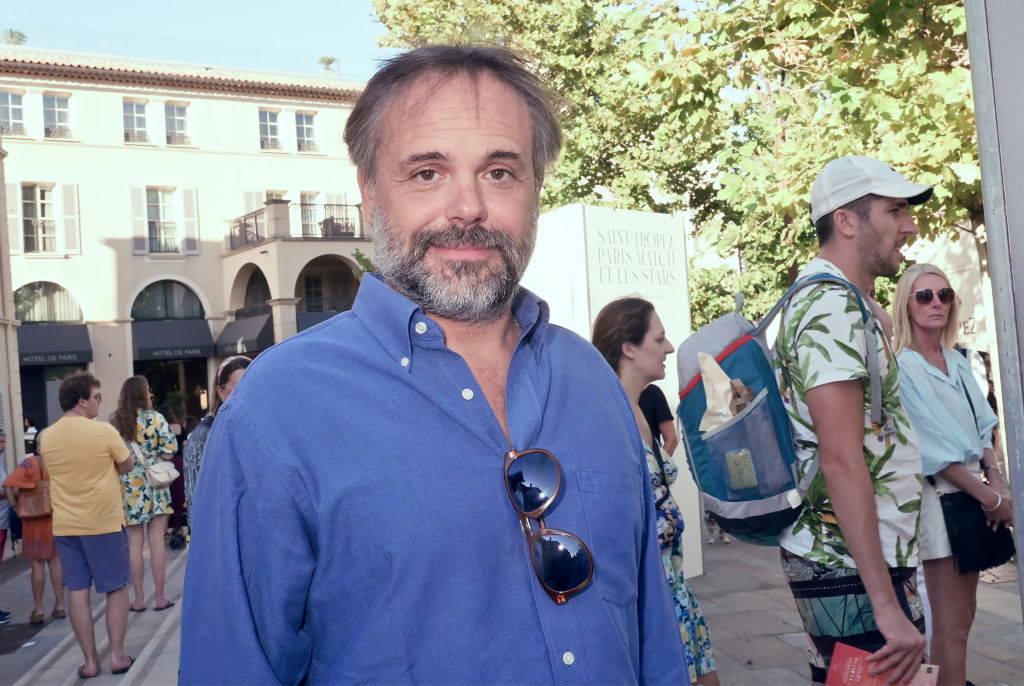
x=268 y=131
x=135 y=122
x=177 y=124
x=56 y=116
x=314 y=294
x=304 y=132
x=40 y=229
x=163 y=231
x=167 y=300
x=12 y=118
x=43 y=301
x=309 y=214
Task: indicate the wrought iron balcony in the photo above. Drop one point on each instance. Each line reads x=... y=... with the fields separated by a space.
x=178 y=139
x=163 y=237
x=136 y=137
x=326 y=221
x=12 y=129
x=270 y=144
x=57 y=132
x=40 y=235
x=249 y=229
x=307 y=146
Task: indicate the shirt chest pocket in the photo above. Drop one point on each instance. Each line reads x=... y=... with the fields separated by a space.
x=613 y=504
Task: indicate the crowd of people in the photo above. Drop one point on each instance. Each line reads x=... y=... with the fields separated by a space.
x=104 y=505
x=347 y=518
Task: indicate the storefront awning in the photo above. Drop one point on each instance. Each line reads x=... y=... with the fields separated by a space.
x=247 y=335
x=172 y=339
x=53 y=344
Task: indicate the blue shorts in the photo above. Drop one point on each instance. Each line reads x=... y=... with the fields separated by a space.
x=101 y=559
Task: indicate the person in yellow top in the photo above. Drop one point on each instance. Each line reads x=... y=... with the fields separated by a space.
x=84 y=459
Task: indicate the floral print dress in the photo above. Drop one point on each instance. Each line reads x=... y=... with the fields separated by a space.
x=142 y=502
x=692 y=626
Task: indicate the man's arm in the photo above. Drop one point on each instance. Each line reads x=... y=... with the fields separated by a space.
x=838 y=408
x=125 y=465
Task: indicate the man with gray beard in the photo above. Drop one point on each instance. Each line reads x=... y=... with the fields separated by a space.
x=438 y=486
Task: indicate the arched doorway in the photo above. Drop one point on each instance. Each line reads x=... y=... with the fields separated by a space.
x=53 y=342
x=171 y=341
x=324 y=287
x=252 y=330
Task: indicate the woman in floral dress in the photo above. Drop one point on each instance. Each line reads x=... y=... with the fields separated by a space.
x=149 y=436
x=629 y=333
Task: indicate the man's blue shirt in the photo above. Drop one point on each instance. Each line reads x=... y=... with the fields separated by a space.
x=352 y=525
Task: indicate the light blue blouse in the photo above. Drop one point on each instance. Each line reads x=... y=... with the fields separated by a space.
x=947 y=429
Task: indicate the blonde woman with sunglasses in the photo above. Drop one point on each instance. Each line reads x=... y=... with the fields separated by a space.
x=953 y=422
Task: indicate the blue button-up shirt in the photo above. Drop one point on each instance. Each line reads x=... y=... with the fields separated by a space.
x=352 y=525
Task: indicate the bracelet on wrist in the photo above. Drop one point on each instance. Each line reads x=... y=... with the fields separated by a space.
x=990 y=468
x=999 y=502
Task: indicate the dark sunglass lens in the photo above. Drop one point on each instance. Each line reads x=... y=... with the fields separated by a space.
x=561 y=562
x=532 y=480
x=924 y=296
x=946 y=295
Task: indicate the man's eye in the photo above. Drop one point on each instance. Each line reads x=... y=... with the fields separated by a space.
x=500 y=174
x=426 y=175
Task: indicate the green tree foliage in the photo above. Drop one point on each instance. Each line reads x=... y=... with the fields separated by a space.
x=13 y=37
x=729 y=108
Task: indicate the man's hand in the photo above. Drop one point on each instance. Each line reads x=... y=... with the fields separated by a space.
x=903 y=651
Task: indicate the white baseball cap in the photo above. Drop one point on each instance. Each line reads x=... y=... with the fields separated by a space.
x=845 y=179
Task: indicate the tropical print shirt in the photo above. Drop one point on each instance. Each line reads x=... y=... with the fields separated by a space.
x=820 y=341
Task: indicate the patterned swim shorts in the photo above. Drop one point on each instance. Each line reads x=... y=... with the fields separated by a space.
x=834 y=607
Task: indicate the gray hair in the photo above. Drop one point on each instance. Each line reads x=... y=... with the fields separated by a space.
x=363 y=129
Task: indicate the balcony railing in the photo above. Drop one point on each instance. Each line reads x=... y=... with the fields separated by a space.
x=40 y=235
x=326 y=221
x=270 y=144
x=136 y=137
x=252 y=310
x=178 y=139
x=12 y=129
x=57 y=132
x=163 y=237
x=307 y=146
x=310 y=304
x=249 y=229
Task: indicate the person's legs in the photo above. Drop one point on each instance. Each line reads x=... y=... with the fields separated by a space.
x=81 y=623
x=137 y=565
x=953 y=604
x=57 y=581
x=158 y=556
x=38 y=576
x=117 y=626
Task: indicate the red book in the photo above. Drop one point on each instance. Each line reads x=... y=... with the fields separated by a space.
x=850 y=667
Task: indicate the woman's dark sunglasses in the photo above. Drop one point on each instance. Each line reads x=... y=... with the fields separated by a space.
x=561 y=560
x=924 y=295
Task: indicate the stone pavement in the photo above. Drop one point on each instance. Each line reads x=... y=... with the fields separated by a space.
x=755 y=629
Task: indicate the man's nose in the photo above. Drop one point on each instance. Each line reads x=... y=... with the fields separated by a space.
x=466 y=204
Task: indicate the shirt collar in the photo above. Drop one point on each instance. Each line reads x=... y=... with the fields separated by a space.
x=396 y=322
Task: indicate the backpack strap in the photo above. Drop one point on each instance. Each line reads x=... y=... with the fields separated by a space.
x=870 y=325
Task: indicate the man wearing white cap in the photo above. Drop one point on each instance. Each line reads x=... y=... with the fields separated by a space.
x=850 y=557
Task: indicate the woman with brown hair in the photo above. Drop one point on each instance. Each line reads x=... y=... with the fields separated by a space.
x=228 y=375
x=149 y=436
x=630 y=336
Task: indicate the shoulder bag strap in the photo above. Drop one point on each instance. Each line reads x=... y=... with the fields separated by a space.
x=661 y=468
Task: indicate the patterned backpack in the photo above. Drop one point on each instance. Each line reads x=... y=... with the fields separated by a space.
x=746 y=468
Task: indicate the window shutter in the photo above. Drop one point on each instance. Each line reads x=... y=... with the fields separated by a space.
x=190 y=242
x=254 y=200
x=14 y=217
x=72 y=238
x=140 y=234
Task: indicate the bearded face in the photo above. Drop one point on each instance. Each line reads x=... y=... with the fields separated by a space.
x=471 y=290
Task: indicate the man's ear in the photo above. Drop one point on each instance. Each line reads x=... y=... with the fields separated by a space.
x=846 y=222
x=366 y=195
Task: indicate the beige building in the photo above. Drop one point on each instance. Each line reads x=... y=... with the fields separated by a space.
x=161 y=216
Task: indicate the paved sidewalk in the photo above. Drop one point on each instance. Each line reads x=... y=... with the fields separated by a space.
x=755 y=630
x=758 y=639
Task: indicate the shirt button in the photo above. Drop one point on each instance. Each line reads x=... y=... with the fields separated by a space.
x=568 y=658
x=421 y=327
x=467 y=393
x=404 y=362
